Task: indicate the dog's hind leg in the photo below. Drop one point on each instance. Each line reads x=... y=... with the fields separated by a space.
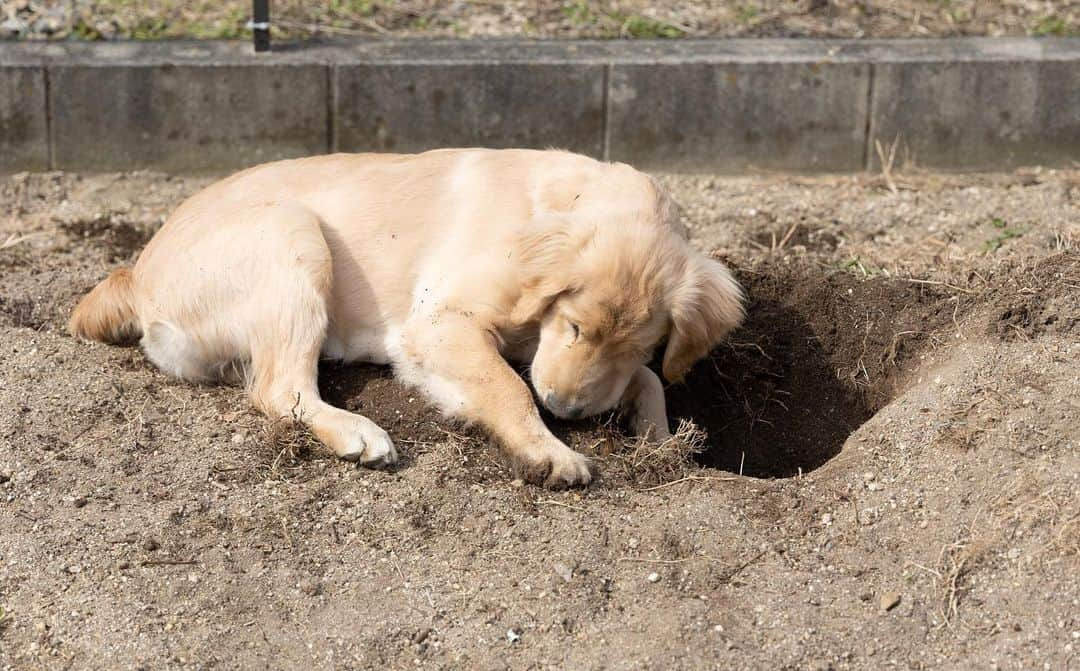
x=284 y=320
x=283 y=384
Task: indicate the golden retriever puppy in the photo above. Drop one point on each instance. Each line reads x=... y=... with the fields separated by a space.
x=447 y=265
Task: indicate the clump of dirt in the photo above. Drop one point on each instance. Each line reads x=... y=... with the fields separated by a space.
x=646 y=463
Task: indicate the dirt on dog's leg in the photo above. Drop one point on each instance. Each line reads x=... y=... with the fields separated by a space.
x=455 y=361
x=644 y=402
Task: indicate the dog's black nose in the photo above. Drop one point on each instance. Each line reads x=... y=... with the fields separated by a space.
x=561 y=409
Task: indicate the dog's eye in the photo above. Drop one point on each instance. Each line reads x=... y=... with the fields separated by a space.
x=577 y=331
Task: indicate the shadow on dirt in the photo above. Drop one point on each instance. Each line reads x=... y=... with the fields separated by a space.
x=770 y=400
x=821 y=351
x=372 y=391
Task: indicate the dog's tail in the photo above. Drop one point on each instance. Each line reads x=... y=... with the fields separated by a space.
x=108 y=312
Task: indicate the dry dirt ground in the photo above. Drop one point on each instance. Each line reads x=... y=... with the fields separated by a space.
x=298 y=19
x=903 y=404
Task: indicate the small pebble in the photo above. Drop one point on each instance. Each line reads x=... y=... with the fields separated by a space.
x=513 y=636
x=563 y=571
x=150 y=545
x=421 y=635
x=311 y=587
x=80 y=501
x=654 y=577
x=889 y=600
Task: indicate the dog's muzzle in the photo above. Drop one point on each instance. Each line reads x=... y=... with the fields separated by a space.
x=561 y=409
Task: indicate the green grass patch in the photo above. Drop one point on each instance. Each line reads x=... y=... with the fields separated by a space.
x=856 y=265
x=582 y=14
x=644 y=27
x=746 y=13
x=1053 y=26
x=149 y=29
x=232 y=27
x=579 y=13
x=84 y=31
x=995 y=243
x=361 y=7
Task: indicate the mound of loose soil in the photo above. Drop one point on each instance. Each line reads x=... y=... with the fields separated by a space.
x=822 y=352
x=879 y=469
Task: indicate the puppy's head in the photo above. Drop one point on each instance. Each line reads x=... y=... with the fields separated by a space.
x=607 y=289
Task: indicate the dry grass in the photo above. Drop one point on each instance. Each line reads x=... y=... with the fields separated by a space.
x=281 y=447
x=1026 y=507
x=651 y=464
x=1022 y=508
x=957 y=562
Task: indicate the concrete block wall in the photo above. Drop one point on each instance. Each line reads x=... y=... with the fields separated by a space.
x=696 y=105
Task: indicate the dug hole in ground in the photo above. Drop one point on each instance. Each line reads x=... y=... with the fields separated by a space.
x=903 y=405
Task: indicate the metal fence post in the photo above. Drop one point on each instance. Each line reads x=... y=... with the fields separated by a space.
x=260 y=24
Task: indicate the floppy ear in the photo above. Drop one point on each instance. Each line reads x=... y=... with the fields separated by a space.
x=546 y=259
x=705 y=306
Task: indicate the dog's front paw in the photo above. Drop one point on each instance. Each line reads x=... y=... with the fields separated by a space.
x=555 y=466
x=368 y=444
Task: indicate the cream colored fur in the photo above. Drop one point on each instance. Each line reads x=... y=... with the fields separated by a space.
x=445 y=264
